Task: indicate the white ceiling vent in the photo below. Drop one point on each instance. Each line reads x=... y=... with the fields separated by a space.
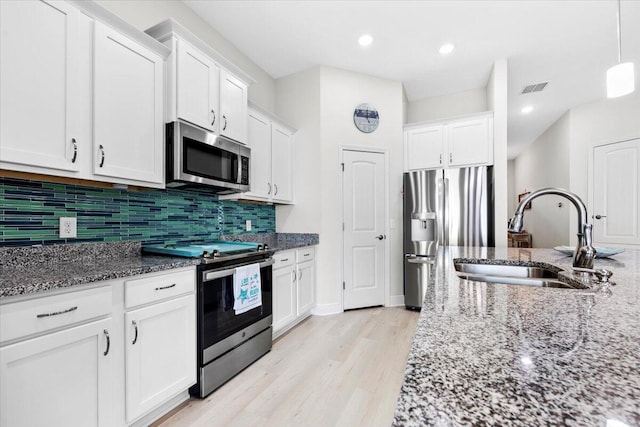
x=534 y=87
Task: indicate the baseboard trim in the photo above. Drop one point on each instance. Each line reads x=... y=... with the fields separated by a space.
x=327 y=309
x=396 y=300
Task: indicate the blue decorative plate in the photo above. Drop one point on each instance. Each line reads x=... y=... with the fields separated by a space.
x=601 y=252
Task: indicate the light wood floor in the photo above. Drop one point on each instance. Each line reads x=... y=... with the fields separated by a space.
x=341 y=370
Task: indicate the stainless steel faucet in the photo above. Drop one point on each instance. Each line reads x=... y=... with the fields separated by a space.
x=585 y=253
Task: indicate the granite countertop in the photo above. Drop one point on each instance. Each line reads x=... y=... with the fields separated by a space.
x=495 y=354
x=29 y=270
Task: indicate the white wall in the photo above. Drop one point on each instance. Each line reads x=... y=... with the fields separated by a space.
x=440 y=107
x=497 y=102
x=544 y=164
x=597 y=123
x=298 y=102
x=341 y=92
x=143 y=14
x=511 y=187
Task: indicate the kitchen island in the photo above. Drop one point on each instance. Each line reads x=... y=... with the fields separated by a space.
x=495 y=354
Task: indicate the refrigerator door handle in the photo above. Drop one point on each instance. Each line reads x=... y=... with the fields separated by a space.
x=445 y=205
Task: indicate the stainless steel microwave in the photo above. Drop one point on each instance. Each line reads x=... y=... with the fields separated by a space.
x=198 y=157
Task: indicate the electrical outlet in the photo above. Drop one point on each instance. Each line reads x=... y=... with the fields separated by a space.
x=248 y=222
x=68 y=226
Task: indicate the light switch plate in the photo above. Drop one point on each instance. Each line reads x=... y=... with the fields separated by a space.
x=68 y=227
x=248 y=223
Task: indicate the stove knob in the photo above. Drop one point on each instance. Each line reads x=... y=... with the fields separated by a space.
x=206 y=254
x=216 y=253
x=265 y=247
x=260 y=248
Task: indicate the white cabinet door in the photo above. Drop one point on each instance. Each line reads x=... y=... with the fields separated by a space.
x=305 y=286
x=128 y=121
x=425 y=147
x=39 y=84
x=197 y=87
x=259 y=139
x=160 y=353
x=281 y=163
x=59 y=379
x=233 y=107
x=469 y=143
x=616 y=193
x=284 y=297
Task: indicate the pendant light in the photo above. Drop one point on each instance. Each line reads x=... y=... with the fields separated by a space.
x=620 y=78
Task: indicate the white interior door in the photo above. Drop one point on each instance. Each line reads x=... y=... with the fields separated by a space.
x=616 y=188
x=364 y=228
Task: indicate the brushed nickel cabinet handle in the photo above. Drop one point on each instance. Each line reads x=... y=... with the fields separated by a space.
x=75 y=150
x=214 y=117
x=135 y=326
x=299 y=275
x=275 y=186
x=440 y=158
x=106 y=334
x=450 y=157
x=165 y=287
x=102 y=155
x=56 y=313
x=293 y=273
x=225 y=122
x=269 y=184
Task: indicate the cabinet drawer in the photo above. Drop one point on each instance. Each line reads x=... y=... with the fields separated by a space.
x=305 y=254
x=158 y=287
x=284 y=259
x=38 y=315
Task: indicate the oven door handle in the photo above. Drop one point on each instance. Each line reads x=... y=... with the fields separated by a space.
x=213 y=275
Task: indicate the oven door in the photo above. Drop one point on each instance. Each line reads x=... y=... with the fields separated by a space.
x=217 y=318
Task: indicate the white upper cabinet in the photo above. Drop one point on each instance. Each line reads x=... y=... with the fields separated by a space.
x=198 y=82
x=281 y=163
x=452 y=143
x=39 y=85
x=271 y=165
x=204 y=88
x=259 y=130
x=128 y=122
x=233 y=107
x=82 y=94
x=425 y=147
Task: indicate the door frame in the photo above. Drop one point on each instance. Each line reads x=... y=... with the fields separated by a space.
x=387 y=274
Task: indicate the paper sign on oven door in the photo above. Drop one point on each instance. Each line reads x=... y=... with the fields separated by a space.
x=246 y=288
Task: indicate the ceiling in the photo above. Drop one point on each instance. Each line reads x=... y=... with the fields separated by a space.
x=568 y=43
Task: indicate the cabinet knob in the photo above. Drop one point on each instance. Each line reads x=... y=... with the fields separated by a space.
x=135 y=328
x=75 y=150
x=106 y=334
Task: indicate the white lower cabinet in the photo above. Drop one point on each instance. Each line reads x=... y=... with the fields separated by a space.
x=293 y=288
x=111 y=355
x=59 y=379
x=160 y=353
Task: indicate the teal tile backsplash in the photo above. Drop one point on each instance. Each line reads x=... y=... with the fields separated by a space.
x=29 y=212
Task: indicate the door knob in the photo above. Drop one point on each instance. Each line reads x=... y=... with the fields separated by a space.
x=600 y=216
x=381 y=236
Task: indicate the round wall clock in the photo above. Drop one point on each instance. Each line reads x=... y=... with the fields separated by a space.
x=366 y=117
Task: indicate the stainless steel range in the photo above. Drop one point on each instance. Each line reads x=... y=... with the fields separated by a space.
x=229 y=339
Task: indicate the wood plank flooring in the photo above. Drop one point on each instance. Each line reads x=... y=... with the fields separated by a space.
x=341 y=370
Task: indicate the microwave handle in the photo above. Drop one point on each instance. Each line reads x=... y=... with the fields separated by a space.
x=239 y=180
x=213 y=275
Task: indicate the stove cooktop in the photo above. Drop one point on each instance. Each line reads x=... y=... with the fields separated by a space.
x=211 y=250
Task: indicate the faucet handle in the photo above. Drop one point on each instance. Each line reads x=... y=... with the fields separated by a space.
x=603 y=275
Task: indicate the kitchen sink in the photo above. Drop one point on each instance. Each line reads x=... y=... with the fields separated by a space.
x=521 y=274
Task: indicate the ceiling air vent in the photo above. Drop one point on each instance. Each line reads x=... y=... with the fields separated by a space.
x=534 y=87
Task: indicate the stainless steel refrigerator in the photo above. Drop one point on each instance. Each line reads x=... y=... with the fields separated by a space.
x=450 y=207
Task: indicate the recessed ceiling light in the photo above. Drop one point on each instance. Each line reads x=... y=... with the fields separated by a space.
x=527 y=109
x=446 y=49
x=365 y=40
